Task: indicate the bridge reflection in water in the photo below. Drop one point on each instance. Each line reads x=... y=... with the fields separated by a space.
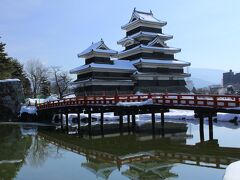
x=147 y=156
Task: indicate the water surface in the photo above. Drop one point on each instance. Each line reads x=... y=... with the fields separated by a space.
x=33 y=152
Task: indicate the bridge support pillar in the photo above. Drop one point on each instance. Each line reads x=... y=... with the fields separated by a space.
x=61 y=119
x=101 y=123
x=121 y=123
x=90 y=124
x=153 y=123
x=67 y=127
x=128 y=122
x=210 y=124
x=79 y=123
x=133 y=122
x=162 y=124
x=201 y=127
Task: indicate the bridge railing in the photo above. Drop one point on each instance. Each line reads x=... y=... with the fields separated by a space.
x=215 y=101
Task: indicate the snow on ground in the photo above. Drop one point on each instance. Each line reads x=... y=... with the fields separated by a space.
x=32 y=101
x=233 y=171
x=227 y=117
x=28 y=109
x=50 y=98
x=180 y=114
x=177 y=116
x=109 y=118
x=149 y=101
x=69 y=96
x=9 y=80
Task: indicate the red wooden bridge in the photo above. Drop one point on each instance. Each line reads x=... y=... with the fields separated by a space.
x=131 y=105
x=182 y=101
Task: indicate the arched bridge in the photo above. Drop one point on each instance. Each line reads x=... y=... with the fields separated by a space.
x=130 y=105
x=219 y=103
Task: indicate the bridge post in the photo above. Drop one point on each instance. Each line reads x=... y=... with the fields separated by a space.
x=116 y=98
x=61 y=117
x=85 y=98
x=162 y=124
x=102 y=119
x=121 y=122
x=79 y=123
x=237 y=99
x=179 y=99
x=90 y=123
x=67 y=128
x=201 y=127
x=128 y=122
x=215 y=102
x=163 y=99
x=195 y=100
x=210 y=124
x=133 y=122
x=149 y=95
x=153 y=123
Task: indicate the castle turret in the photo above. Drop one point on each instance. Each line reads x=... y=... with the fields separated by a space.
x=146 y=46
x=100 y=74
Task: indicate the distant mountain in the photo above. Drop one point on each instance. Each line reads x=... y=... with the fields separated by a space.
x=202 y=77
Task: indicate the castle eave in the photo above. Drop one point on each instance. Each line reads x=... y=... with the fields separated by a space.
x=140 y=22
x=116 y=66
x=148 y=49
x=161 y=62
x=91 y=82
x=146 y=35
x=157 y=76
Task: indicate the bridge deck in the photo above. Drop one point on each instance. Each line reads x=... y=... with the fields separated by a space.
x=216 y=103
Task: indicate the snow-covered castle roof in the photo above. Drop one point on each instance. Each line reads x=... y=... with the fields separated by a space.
x=99 y=47
x=145 y=17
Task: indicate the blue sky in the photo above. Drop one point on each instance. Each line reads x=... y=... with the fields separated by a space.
x=55 y=31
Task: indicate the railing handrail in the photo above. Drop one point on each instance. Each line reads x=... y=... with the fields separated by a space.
x=163 y=98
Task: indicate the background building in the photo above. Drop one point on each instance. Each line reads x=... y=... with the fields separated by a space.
x=230 y=78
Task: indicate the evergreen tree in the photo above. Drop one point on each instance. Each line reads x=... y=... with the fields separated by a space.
x=10 y=68
x=20 y=74
x=5 y=63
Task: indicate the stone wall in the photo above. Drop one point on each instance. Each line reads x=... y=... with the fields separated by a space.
x=11 y=96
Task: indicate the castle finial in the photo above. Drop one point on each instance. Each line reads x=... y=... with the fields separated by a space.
x=92 y=42
x=150 y=11
x=101 y=39
x=134 y=9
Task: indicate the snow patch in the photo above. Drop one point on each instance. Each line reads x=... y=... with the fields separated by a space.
x=28 y=110
x=147 y=102
x=32 y=101
x=69 y=96
x=50 y=98
x=233 y=171
x=228 y=117
x=9 y=80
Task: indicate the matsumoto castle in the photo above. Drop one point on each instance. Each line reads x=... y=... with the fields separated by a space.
x=146 y=64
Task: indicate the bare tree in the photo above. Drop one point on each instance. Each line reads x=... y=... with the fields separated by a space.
x=36 y=72
x=61 y=80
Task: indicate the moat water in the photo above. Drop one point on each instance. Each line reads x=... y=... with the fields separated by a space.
x=36 y=152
